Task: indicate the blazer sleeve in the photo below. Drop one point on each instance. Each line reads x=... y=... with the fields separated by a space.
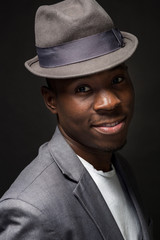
x=22 y=221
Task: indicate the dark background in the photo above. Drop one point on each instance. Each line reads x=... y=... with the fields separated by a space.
x=25 y=123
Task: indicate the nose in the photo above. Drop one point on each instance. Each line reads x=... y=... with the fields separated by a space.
x=106 y=101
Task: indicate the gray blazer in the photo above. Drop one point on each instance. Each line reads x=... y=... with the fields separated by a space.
x=55 y=198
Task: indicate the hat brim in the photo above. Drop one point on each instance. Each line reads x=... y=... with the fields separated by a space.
x=87 y=67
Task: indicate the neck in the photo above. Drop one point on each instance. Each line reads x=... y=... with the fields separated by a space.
x=101 y=160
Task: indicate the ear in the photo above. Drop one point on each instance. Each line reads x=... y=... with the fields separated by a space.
x=49 y=98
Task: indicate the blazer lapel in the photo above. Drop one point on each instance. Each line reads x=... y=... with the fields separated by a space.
x=91 y=199
x=86 y=190
x=125 y=175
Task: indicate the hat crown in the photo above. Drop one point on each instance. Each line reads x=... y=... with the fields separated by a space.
x=69 y=20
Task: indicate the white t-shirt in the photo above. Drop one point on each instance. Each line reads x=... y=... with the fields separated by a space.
x=117 y=201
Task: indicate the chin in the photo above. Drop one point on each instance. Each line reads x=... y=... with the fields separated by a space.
x=112 y=147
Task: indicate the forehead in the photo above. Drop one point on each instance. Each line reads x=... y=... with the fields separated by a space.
x=97 y=76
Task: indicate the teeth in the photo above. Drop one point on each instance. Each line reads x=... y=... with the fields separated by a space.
x=110 y=124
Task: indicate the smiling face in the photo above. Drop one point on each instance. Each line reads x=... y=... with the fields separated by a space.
x=94 y=112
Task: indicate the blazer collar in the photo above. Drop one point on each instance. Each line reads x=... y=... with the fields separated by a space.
x=65 y=157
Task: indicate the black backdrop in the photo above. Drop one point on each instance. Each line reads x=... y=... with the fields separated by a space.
x=25 y=123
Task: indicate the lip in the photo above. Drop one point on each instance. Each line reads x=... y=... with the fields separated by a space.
x=110 y=128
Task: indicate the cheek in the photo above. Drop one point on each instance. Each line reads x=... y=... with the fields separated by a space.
x=71 y=111
x=128 y=97
x=131 y=98
x=128 y=103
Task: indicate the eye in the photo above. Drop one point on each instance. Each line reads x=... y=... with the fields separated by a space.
x=118 y=80
x=82 y=89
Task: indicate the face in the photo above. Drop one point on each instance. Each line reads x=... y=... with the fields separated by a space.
x=94 y=111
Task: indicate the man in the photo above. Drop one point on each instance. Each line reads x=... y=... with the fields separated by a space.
x=78 y=187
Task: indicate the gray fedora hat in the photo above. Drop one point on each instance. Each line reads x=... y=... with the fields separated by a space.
x=76 y=38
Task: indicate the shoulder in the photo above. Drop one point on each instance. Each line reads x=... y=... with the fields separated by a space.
x=35 y=182
x=44 y=181
x=16 y=216
x=23 y=206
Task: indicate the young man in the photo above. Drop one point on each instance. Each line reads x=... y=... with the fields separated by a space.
x=78 y=187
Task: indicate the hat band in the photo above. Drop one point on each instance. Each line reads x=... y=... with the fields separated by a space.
x=80 y=50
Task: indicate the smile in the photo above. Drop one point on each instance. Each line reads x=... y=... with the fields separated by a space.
x=110 y=128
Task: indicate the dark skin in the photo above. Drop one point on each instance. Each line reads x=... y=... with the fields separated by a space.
x=93 y=113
